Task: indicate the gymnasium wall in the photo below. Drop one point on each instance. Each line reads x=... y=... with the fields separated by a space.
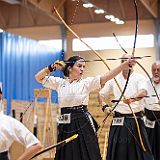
x=98 y=30
x=21 y=58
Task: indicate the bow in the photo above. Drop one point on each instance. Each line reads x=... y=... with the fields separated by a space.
x=103 y=60
x=127 y=80
x=150 y=79
x=59 y=144
x=111 y=59
x=129 y=73
x=115 y=100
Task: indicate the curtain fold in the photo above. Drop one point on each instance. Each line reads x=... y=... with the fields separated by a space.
x=21 y=59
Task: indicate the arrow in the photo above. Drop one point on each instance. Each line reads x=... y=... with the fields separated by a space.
x=115 y=100
x=111 y=59
x=59 y=144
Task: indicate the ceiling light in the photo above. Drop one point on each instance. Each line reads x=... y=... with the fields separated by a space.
x=87 y=5
x=99 y=11
x=120 y=22
x=109 y=17
x=114 y=19
x=1 y=30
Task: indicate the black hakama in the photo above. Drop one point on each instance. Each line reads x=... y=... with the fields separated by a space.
x=154 y=133
x=86 y=146
x=4 y=156
x=124 y=141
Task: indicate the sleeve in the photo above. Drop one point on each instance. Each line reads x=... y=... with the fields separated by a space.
x=106 y=89
x=92 y=83
x=151 y=99
x=142 y=83
x=1 y=106
x=0 y=87
x=22 y=134
x=52 y=82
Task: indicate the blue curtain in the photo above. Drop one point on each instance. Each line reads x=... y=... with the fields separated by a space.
x=21 y=59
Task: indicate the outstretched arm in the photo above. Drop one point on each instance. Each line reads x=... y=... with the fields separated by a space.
x=112 y=73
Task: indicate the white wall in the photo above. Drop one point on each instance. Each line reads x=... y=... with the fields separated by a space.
x=106 y=29
x=96 y=30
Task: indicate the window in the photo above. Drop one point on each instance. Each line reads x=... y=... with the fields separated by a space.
x=102 y=43
x=56 y=43
x=1 y=30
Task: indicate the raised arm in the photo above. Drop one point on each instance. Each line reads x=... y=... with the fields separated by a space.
x=47 y=70
x=112 y=73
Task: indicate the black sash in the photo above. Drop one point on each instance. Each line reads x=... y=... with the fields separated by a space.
x=152 y=115
x=138 y=115
x=4 y=156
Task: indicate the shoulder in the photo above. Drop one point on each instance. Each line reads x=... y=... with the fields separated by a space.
x=12 y=120
x=92 y=78
x=8 y=121
x=139 y=76
x=5 y=117
x=52 y=78
x=53 y=81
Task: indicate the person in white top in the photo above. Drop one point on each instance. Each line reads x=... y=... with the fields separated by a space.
x=1 y=102
x=152 y=111
x=73 y=95
x=123 y=137
x=12 y=130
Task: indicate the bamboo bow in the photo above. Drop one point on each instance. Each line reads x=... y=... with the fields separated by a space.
x=59 y=144
x=103 y=60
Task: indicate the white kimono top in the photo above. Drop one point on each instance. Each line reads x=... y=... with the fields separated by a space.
x=136 y=82
x=72 y=94
x=153 y=99
x=12 y=130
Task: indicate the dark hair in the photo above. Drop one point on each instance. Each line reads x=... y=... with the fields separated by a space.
x=70 y=63
x=0 y=90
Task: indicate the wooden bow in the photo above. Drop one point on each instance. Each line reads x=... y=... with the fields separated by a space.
x=59 y=144
x=103 y=60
